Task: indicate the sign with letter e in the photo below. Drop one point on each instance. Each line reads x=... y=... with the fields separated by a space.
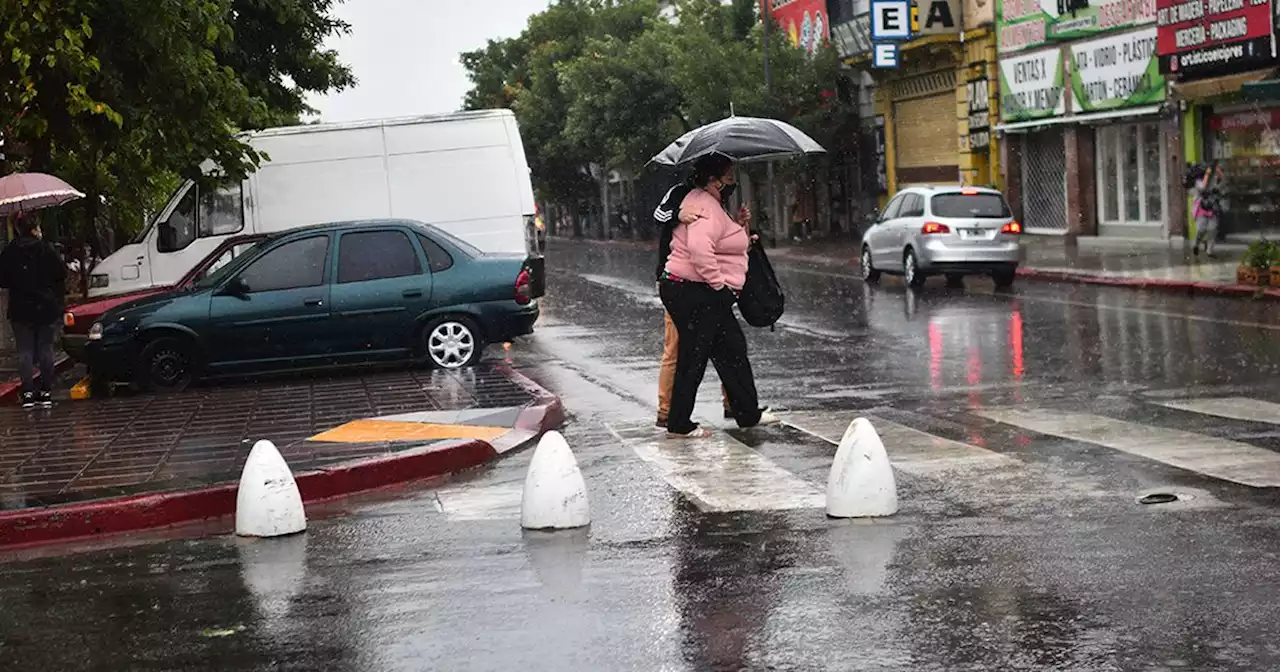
x=890 y=20
x=885 y=55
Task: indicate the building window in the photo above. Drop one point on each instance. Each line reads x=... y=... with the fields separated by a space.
x=1131 y=175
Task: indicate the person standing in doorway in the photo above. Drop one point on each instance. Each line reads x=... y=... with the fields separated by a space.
x=1206 y=208
x=703 y=276
x=35 y=276
x=667 y=217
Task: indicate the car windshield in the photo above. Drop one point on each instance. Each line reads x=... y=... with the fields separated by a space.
x=453 y=240
x=218 y=274
x=980 y=205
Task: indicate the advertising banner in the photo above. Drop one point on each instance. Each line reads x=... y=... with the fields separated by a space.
x=979 y=94
x=1024 y=24
x=1031 y=86
x=805 y=22
x=1115 y=72
x=1196 y=38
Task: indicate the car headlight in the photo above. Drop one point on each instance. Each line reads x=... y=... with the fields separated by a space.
x=95 y=332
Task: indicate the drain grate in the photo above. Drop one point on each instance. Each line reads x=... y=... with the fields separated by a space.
x=1158 y=498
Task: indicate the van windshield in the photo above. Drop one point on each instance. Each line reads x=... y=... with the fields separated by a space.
x=177 y=193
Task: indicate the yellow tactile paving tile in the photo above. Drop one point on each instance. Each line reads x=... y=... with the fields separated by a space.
x=375 y=431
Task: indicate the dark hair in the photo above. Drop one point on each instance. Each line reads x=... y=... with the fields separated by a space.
x=709 y=168
x=26 y=226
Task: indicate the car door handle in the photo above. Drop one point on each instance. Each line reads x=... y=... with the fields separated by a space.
x=412 y=294
x=314 y=303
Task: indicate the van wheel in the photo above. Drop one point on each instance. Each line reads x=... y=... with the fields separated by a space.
x=166 y=364
x=452 y=342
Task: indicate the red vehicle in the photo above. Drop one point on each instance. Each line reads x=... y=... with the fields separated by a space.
x=80 y=317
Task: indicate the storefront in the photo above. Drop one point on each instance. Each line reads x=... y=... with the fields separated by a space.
x=1209 y=66
x=925 y=147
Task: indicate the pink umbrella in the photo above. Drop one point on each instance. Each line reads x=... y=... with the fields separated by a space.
x=24 y=192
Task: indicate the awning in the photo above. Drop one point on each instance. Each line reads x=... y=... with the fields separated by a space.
x=1023 y=126
x=1216 y=86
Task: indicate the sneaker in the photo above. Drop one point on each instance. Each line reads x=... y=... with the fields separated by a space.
x=660 y=423
x=768 y=418
x=28 y=400
x=45 y=399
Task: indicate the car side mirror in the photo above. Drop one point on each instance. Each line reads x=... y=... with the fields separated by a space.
x=236 y=287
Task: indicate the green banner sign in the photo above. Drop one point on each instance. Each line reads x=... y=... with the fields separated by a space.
x=1116 y=72
x=1023 y=24
x=1031 y=86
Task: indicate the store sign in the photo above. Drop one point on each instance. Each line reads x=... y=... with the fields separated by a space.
x=1024 y=24
x=1115 y=72
x=803 y=21
x=979 y=92
x=936 y=17
x=1252 y=120
x=852 y=38
x=1198 y=38
x=1031 y=86
x=890 y=23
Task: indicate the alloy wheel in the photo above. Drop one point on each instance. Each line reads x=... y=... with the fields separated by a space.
x=451 y=345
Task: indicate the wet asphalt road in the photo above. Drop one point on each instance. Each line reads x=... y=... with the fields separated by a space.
x=1034 y=557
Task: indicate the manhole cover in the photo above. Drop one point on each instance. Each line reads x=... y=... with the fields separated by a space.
x=1158 y=498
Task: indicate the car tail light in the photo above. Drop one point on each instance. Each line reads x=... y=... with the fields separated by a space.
x=934 y=227
x=524 y=287
x=1011 y=227
x=68 y=319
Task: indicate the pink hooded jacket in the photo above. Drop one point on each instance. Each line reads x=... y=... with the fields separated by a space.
x=712 y=249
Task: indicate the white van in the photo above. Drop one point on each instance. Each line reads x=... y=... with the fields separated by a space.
x=465 y=173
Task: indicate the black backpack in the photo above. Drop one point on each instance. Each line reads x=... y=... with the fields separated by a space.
x=761 y=302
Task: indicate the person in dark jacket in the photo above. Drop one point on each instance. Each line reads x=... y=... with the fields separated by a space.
x=667 y=217
x=35 y=276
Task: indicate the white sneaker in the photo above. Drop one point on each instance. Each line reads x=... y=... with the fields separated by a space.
x=768 y=418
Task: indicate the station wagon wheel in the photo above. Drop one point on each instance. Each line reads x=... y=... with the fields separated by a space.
x=911 y=270
x=453 y=342
x=166 y=365
x=869 y=272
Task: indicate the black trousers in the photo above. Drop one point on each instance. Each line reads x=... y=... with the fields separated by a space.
x=35 y=350
x=708 y=330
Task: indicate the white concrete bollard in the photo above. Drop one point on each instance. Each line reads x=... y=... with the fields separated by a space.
x=268 y=503
x=555 y=496
x=861 y=482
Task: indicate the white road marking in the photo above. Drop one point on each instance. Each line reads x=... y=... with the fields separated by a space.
x=910 y=450
x=720 y=473
x=1235 y=408
x=1218 y=458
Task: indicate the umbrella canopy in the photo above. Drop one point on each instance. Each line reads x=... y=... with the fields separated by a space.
x=24 y=192
x=741 y=139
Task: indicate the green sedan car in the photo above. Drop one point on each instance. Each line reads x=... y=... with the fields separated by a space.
x=330 y=295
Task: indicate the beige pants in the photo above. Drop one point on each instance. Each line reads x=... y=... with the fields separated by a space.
x=667 y=370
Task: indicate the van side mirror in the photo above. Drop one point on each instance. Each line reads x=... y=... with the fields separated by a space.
x=236 y=287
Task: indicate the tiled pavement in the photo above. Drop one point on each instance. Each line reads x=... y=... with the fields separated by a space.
x=143 y=443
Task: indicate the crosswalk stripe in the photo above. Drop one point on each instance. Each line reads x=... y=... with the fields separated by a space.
x=481 y=502
x=1219 y=458
x=1234 y=408
x=910 y=450
x=721 y=474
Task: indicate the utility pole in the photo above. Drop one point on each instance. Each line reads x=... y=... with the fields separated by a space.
x=768 y=94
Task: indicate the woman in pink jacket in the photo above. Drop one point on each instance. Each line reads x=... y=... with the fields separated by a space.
x=703 y=277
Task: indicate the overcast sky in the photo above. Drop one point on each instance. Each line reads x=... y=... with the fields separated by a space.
x=405 y=53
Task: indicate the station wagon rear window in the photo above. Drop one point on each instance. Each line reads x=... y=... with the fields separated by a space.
x=980 y=205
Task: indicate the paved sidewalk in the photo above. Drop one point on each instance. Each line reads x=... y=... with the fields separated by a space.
x=140 y=444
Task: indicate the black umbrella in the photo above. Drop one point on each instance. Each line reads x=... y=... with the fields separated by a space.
x=741 y=139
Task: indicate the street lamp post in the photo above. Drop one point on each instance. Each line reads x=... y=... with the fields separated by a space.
x=768 y=94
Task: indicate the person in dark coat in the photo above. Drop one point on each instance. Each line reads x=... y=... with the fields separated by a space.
x=35 y=276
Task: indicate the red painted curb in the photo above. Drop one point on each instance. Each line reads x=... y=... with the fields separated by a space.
x=9 y=388
x=1160 y=284
x=71 y=522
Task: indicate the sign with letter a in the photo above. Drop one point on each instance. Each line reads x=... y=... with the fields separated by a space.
x=937 y=17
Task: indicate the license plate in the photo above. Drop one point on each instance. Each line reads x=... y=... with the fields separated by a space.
x=975 y=234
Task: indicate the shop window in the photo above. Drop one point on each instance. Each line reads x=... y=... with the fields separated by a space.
x=1131 y=175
